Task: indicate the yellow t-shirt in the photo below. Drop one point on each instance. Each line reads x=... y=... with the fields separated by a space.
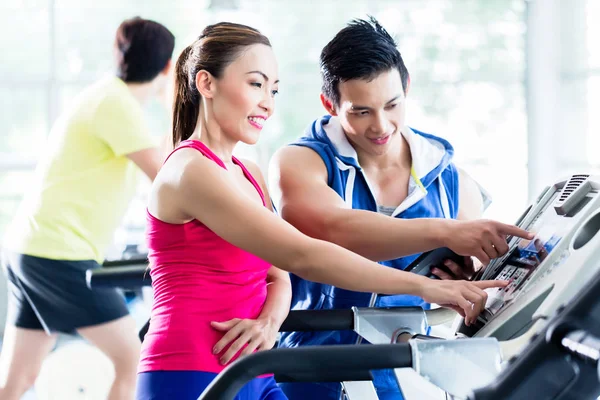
x=84 y=181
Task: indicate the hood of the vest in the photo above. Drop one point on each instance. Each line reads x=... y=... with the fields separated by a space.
x=430 y=154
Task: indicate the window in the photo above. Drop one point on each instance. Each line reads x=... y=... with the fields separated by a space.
x=467 y=62
x=580 y=89
x=563 y=81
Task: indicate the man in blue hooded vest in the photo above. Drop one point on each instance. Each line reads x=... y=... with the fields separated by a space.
x=360 y=178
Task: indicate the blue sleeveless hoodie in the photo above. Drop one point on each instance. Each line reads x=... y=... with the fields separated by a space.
x=433 y=193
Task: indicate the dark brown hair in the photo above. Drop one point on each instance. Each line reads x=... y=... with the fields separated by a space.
x=217 y=47
x=142 y=49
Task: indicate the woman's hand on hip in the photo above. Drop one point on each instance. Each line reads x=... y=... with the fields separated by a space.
x=248 y=334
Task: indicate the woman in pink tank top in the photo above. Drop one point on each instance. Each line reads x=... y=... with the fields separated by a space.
x=214 y=241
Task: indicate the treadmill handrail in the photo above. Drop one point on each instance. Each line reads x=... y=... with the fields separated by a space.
x=121 y=277
x=309 y=360
x=333 y=320
x=318 y=320
x=125 y=263
x=304 y=321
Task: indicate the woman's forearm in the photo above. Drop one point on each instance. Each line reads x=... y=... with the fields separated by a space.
x=277 y=304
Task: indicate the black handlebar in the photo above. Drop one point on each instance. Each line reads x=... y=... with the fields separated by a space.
x=130 y=277
x=126 y=262
x=309 y=362
x=318 y=320
x=305 y=321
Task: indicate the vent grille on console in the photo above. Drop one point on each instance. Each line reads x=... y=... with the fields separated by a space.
x=572 y=184
x=574 y=191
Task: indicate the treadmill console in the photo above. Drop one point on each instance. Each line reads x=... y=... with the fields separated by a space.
x=522 y=263
x=545 y=272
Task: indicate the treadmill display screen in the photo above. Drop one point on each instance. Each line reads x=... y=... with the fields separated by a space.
x=525 y=258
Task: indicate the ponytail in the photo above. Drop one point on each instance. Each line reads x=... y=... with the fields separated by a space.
x=218 y=46
x=186 y=101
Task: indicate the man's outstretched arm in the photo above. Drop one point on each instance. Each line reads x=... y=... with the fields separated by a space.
x=298 y=180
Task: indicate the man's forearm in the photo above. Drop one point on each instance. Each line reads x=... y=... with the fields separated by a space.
x=380 y=237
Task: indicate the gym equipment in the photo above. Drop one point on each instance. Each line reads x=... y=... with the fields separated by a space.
x=560 y=363
x=377 y=326
x=125 y=274
x=351 y=364
x=435 y=258
x=548 y=271
x=547 y=274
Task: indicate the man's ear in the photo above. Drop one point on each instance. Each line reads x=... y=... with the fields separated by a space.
x=407 y=86
x=205 y=83
x=328 y=104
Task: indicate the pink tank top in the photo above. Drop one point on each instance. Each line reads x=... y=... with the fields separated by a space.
x=197 y=278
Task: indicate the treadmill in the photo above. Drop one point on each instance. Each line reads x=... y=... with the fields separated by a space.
x=548 y=271
x=545 y=274
x=560 y=363
x=537 y=337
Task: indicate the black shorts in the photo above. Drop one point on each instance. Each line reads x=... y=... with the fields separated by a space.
x=52 y=295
